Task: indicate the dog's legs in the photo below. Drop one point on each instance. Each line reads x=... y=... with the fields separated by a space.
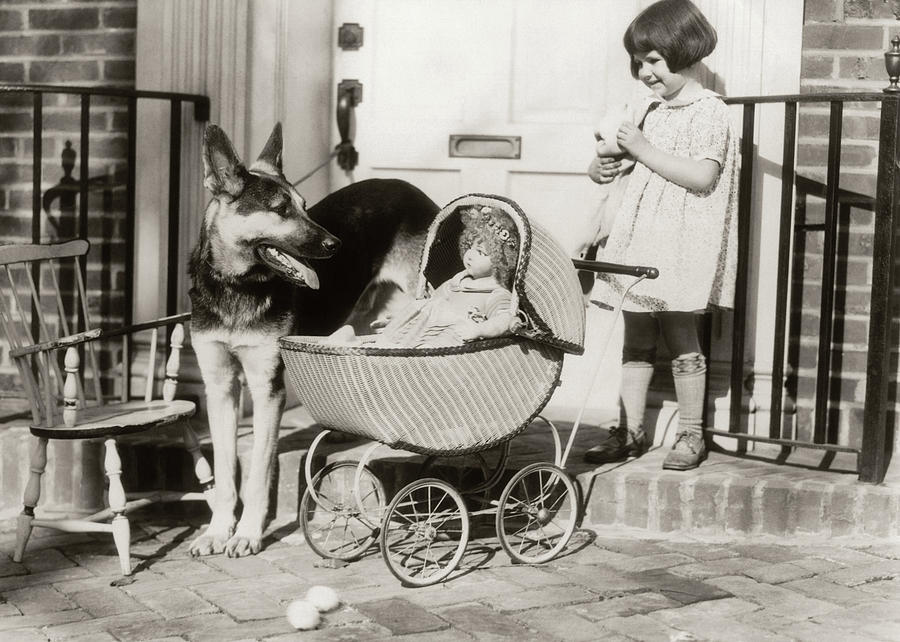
x=264 y=371
x=220 y=378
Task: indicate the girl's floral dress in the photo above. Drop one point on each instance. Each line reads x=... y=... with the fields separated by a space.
x=691 y=237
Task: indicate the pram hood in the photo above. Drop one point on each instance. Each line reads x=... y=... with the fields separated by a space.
x=547 y=296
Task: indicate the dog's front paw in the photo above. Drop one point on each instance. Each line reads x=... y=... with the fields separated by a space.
x=241 y=546
x=208 y=544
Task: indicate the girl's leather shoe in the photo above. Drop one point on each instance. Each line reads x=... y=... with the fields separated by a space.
x=687 y=452
x=620 y=444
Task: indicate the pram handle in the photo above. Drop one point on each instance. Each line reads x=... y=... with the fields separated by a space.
x=616 y=268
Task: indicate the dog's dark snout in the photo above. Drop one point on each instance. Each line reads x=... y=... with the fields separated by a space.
x=331 y=244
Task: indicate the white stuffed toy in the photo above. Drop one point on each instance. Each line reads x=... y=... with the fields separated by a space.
x=609 y=195
x=304 y=614
x=323 y=598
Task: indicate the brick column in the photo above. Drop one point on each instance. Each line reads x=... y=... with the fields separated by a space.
x=843 y=46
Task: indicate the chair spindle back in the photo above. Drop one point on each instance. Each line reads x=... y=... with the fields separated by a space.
x=43 y=303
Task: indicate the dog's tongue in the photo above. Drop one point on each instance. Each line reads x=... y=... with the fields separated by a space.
x=291 y=268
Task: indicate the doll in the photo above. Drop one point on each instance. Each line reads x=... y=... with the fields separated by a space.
x=476 y=303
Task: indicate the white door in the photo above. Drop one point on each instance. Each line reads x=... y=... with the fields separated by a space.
x=542 y=72
x=472 y=77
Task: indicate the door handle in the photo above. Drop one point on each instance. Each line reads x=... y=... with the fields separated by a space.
x=349 y=95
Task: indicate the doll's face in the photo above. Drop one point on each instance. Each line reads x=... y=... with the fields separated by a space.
x=476 y=261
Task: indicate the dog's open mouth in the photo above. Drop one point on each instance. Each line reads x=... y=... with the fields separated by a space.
x=287 y=266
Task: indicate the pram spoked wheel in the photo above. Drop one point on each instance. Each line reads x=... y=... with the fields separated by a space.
x=333 y=526
x=425 y=532
x=537 y=513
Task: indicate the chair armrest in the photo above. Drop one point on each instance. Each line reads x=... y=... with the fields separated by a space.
x=97 y=333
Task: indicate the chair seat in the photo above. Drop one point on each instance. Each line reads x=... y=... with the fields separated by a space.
x=119 y=419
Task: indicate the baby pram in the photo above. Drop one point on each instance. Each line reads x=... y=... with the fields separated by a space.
x=448 y=401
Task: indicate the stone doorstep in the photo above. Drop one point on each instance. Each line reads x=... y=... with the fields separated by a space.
x=726 y=496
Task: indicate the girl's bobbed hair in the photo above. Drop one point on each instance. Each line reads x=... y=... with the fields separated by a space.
x=676 y=29
x=497 y=232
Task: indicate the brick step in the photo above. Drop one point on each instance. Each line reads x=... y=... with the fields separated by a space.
x=730 y=495
x=727 y=495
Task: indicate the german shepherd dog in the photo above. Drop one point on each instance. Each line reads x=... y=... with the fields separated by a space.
x=266 y=267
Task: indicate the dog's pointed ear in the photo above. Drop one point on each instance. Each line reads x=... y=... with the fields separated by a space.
x=223 y=171
x=269 y=160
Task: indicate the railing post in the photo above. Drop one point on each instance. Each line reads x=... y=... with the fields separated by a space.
x=745 y=212
x=174 y=275
x=822 y=432
x=785 y=238
x=130 y=195
x=37 y=160
x=874 y=453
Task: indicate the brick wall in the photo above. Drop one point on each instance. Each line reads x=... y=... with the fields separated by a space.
x=843 y=46
x=74 y=43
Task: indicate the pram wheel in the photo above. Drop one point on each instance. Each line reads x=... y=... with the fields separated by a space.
x=425 y=532
x=334 y=527
x=537 y=513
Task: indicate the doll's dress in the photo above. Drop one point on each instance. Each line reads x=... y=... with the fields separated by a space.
x=431 y=322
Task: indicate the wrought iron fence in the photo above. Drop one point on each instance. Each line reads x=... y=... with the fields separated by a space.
x=875 y=450
x=84 y=186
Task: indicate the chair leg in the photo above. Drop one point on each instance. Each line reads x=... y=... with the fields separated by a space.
x=120 y=527
x=202 y=469
x=31 y=496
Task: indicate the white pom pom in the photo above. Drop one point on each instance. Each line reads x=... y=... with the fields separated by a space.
x=323 y=598
x=303 y=615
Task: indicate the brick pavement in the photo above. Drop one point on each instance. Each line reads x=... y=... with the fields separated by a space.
x=609 y=585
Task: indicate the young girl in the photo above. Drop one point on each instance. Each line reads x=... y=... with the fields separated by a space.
x=476 y=303
x=679 y=214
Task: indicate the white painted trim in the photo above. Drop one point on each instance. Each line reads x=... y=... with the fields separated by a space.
x=192 y=46
x=781 y=46
x=259 y=62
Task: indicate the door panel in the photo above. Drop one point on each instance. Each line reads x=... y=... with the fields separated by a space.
x=545 y=197
x=435 y=68
x=557 y=61
x=432 y=64
x=442 y=186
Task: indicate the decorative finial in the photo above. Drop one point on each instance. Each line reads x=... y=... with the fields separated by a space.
x=892 y=64
x=68 y=158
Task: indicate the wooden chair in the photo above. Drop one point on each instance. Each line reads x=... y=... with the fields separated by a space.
x=66 y=404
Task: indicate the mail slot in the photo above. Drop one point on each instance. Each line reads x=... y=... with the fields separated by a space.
x=479 y=146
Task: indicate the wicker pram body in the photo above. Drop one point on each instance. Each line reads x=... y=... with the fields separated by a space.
x=452 y=400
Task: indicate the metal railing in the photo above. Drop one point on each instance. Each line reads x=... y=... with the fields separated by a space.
x=131 y=97
x=874 y=453
x=84 y=185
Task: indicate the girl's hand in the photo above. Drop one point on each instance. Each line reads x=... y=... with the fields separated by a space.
x=603 y=169
x=631 y=139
